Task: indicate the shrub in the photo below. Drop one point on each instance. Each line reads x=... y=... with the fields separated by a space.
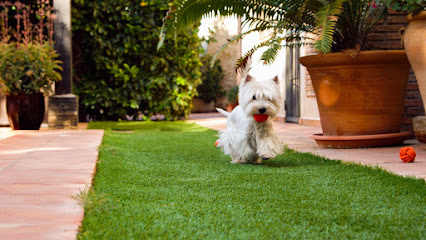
x=28 y=68
x=118 y=70
x=211 y=76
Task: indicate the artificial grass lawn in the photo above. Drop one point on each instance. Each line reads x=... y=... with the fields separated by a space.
x=165 y=180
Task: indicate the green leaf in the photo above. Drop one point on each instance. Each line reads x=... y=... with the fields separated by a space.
x=327 y=18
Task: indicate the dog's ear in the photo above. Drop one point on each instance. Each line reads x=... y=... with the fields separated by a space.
x=248 y=79
x=275 y=79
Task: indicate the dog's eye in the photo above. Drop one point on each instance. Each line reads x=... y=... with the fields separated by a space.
x=254 y=97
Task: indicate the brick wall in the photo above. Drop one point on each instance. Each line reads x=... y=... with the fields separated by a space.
x=385 y=35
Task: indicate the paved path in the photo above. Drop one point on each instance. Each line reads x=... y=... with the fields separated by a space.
x=40 y=172
x=297 y=137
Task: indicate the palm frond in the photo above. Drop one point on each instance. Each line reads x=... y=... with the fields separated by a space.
x=286 y=20
x=257 y=13
x=291 y=38
x=235 y=38
x=271 y=54
x=327 y=18
x=242 y=61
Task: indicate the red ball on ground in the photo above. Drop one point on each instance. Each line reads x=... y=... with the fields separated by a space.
x=407 y=154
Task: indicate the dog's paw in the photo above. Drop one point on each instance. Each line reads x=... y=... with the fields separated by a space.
x=238 y=161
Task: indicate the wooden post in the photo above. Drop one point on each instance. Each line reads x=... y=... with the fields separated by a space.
x=63 y=106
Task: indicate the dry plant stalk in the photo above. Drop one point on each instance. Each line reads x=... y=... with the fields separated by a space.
x=24 y=30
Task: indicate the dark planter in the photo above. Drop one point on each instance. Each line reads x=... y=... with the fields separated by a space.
x=25 y=111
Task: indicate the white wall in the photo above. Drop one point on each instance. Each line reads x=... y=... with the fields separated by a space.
x=308 y=104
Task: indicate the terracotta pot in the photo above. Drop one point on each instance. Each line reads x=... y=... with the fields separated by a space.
x=360 y=95
x=415 y=45
x=231 y=107
x=25 y=111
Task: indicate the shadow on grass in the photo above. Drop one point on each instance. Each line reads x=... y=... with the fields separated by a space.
x=164 y=126
x=291 y=158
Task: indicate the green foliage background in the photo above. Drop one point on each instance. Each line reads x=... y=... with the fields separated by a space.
x=211 y=76
x=118 y=70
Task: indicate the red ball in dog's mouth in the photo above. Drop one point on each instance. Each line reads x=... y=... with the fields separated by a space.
x=260 y=117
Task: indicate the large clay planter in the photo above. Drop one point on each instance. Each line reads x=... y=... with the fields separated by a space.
x=360 y=95
x=25 y=111
x=415 y=46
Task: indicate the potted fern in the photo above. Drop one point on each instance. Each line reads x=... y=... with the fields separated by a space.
x=336 y=29
x=28 y=64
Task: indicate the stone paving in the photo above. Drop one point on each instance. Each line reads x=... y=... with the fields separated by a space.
x=40 y=173
x=298 y=137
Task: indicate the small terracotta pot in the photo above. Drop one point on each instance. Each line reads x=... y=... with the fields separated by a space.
x=231 y=107
x=25 y=111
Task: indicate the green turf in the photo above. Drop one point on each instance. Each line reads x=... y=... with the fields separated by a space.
x=165 y=180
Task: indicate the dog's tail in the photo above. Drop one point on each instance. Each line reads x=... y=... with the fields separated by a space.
x=225 y=113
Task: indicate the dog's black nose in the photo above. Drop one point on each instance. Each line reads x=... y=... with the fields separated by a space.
x=262 y=110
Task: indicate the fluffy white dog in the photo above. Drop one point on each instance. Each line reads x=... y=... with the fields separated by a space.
x=249 y=135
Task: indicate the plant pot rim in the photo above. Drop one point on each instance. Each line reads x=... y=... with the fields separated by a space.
x=361 y=141
x=419 y=16
x=364 y=57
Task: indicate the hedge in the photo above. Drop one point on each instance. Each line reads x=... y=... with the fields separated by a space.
x=117 y=68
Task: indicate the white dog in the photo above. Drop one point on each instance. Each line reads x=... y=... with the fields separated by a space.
x=249 y=135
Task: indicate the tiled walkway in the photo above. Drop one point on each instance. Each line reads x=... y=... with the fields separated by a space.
x=40 y=172
x=297 y=137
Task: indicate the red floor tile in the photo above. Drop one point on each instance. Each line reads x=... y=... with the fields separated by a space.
x=40 y=172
